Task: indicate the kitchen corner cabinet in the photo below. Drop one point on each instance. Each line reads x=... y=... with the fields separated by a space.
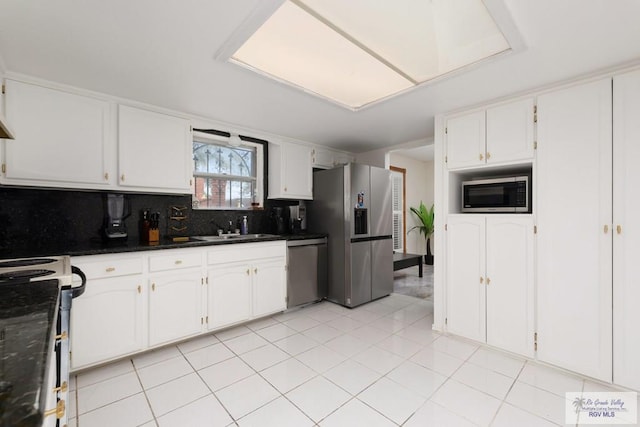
x=327 y=159
x=574 y=240
x=626 y=249
x=489 y=274
x=290 y=171
x=500 y=134
x=62 y=139
x=154 y=151
x=108 y=320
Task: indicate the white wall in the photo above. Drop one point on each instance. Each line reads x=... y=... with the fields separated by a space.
x=420 y=187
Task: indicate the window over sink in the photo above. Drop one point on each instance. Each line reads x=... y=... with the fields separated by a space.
x=228 y=171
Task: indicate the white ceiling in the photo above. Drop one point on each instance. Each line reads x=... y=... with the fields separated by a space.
x=162 y=53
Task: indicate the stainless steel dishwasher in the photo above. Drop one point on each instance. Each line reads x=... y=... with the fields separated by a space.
x=306 y=271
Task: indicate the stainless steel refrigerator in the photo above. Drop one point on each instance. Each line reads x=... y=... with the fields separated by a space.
x=352 y=204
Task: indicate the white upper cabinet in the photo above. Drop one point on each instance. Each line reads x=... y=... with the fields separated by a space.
x=500 y=134
x=574 y=243
x=322 y=159
x=62 y=139
x=154 y=151
x=510 y=131
x=290 y=171
x=626 y=240
x=466 y=140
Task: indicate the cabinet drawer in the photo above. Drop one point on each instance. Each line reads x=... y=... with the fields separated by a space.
x=246 y=252
x=110 y=266
x=174 y=260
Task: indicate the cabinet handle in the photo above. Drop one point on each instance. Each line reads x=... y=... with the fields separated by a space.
x=110 y=269
x=139 y=289
x=285 y=189
x=58 y=411
x=606 y=229
x=488 y=280
x=153 y=286
x=178 y=262
x=619 y=229
x=122 y=177
x=481 y=157
x=488 y=155
x=481 y=279
x=255 y=271
x=106 y=176
x=62 y=388
x=248 y=271
x=62 y=336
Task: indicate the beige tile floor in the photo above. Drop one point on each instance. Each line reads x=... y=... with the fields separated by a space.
x=376 y=365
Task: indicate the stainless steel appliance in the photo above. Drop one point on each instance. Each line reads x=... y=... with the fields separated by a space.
x=116 y=211
x=58 y=271
x=306 y=271
x=279 y=220
x=503 y=194
x=352 y=204
x=298 y=217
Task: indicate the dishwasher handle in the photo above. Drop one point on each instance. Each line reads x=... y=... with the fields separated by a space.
x=306 y=242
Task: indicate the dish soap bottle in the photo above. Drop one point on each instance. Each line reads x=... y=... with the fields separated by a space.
x=244 y=225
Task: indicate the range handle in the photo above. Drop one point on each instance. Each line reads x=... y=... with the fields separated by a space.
x=76 y=291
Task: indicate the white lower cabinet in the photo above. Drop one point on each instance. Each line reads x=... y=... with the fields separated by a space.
x=229 y=295
x=246 y=281
x=490 y=286
x=175 y=306
x=107 y=321
x=269 y=290
x=465 y=276
x=134 y=302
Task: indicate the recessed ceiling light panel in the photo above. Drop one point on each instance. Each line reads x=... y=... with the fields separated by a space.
x=357 y=52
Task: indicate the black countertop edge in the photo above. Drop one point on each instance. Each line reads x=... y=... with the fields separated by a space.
x=99 y=248
x=28 y=316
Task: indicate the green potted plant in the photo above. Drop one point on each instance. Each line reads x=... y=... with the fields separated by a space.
x=425 y=216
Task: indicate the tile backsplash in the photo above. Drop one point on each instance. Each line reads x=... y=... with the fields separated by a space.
x=31 y=215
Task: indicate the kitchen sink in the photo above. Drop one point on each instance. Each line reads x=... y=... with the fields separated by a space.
x=223 y=237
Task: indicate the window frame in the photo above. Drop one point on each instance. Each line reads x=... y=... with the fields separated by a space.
x=224 y=141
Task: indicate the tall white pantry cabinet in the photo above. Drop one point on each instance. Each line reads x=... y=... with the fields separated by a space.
x=578 y=271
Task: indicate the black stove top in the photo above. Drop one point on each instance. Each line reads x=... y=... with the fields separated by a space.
x=23 y=275
x=25 y=262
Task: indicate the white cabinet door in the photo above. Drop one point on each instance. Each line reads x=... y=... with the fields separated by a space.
x=574 y=207
x=465 y=276
x=626 y=265
x=107 y=321
x=154 y=151
x=229 y=295
x=510 y=131
x=61 y=138
x=290 y=171
x=466 y=140
x=175 y=306
x=269 y=287
x=322 y=159
x=509 y=283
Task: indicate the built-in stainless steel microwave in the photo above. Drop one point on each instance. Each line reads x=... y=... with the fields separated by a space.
x=505 y=194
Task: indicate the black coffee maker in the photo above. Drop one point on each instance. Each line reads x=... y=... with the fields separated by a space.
x=116 y=211
x=279 y=220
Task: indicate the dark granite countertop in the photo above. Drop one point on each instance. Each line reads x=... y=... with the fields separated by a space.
x=52 y=248
x=28 y=314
